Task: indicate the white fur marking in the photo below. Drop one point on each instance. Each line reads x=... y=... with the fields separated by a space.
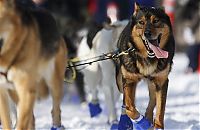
x=5 y=84
x=3 y=69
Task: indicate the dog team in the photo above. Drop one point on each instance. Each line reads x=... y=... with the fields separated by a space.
x=33 y=60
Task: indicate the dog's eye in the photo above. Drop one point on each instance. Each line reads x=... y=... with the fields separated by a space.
x=141 y=22
x=156 y=21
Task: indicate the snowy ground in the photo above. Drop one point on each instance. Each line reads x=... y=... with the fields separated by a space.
x=182 y=110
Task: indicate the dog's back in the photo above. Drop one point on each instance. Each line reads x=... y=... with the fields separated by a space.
x=47 y=26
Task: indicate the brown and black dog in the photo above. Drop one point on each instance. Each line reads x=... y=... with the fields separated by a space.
x=32 y=61
x=149 y=34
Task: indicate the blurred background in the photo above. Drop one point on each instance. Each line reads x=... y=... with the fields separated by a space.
x=75 y=15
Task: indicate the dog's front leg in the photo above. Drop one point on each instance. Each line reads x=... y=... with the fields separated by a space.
x=129 y=99
x=161 y=95
x=152 y=101
x=31 y=124
x=4 y=109
x=139 y=121
x=26 y=92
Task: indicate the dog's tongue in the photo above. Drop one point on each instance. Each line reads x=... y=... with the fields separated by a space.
x=158 y=51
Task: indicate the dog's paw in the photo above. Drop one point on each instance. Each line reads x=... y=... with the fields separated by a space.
x=114 y=125
x=142 y=123
x=58 y=127
x=125 y=123
x=94 y=109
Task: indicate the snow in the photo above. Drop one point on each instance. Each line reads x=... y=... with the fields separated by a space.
x=182 y=108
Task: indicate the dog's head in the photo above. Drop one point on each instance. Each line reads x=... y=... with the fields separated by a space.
x=150 y=31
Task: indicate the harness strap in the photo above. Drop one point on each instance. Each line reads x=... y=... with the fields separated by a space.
x=77 y=62
x=112 y=55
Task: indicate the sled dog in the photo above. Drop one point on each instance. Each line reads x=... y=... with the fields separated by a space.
x=150 y=38
x=32 y=62
x=101 y=74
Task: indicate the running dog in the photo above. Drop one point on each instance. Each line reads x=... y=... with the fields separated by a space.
x=101 y=73
x=148 y=37
x=32 y=62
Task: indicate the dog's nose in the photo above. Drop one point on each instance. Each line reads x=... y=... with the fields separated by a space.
x=147 y=33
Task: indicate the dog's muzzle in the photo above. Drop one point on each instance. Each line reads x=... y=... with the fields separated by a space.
x=153 y=48
x=150 y=53
x=148 y=42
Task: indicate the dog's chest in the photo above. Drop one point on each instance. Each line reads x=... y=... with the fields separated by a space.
x=142 y=66
x=146 y=68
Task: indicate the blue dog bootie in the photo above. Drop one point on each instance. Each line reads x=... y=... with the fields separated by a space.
x=141 y=123
x=114 y=125
x=58 y=127
x=125 y=123
x=94 y=109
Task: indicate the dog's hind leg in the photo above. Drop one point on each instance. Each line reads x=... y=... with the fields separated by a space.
x=56 y=88
x=161 y=95
x=152 y=101
x=108 y=82
x=109 y=99
x=55 y=83
x=92 y=77
x=57 y=94
x=92 y=80
x=4 y=109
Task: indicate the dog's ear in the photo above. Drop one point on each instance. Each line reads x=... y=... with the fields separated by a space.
x=136 y=8
x=107 y=26
x=162 y=8
x=110 y=26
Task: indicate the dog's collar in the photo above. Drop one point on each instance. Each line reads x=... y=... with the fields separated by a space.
x=119 y=52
